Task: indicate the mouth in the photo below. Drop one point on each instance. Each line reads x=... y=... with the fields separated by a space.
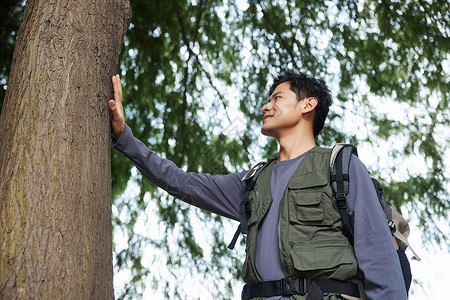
x=267 y=116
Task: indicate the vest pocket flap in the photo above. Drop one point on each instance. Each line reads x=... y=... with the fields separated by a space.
x=313 y=179
x=309 y=199
x=308 y=208
x=333 y=258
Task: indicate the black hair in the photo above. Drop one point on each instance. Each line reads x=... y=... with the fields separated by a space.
x=307 y=86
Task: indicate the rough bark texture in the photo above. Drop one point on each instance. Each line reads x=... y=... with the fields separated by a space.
x=55 y=191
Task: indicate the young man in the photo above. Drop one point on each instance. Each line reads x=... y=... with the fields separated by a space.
x=296 y=248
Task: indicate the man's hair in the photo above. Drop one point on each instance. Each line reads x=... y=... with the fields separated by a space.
x=306 y=86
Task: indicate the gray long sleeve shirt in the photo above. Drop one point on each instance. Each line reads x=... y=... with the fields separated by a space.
x=222 y=194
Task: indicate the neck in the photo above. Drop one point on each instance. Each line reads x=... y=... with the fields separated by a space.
x=295 y=145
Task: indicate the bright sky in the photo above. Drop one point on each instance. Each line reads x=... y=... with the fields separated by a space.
x=432 y=270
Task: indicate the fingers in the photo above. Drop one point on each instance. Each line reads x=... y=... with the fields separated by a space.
x=120 y=87
x=112 y=106
x=117 y=120
x=117 y=87
x=115 y=106
x=116 y=115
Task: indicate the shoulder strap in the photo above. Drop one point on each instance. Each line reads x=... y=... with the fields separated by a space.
x=380 y=193
x=244 y=208
x=340 y=165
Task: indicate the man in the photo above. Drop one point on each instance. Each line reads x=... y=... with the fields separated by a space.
x=295 y=246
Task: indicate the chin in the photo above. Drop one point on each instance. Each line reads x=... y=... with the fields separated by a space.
x=265 y=132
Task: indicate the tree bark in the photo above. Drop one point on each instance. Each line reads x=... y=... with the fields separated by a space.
x=55 y=187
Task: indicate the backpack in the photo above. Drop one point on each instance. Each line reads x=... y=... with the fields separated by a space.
x=339 y=179
x=340 y=165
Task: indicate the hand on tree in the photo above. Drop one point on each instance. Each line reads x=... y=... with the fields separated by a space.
x=116 y=108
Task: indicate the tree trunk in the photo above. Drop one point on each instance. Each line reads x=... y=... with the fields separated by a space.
x=55 y=190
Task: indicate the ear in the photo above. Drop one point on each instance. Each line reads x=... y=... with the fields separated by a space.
x=310 y=104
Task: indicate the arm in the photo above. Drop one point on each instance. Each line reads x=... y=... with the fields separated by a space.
x=219 y=194
x=374 y=249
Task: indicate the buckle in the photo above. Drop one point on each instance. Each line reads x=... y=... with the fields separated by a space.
x=340 y=196
x=341 y=200
x=291 y=286
x=253 y=171
x=392 y=226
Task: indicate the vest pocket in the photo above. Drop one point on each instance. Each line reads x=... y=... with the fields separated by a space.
x=333 y=258
x=308 y=200
x=308 y=208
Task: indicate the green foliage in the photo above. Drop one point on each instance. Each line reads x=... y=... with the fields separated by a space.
x=170 y=51
x=11 y=12
x=387 y=63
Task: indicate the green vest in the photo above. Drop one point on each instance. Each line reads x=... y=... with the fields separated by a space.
x=311 y=241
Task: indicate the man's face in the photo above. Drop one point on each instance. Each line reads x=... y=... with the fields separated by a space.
x=282 y=113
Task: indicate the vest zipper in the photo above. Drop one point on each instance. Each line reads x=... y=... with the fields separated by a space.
x=280 y=245
x=253 y=255
x=258 y=202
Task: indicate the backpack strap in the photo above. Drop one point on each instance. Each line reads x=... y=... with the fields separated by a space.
x=386 y=208
x=244 y=208
x=340 y=166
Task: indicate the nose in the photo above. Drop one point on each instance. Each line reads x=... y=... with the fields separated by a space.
x=266 y=107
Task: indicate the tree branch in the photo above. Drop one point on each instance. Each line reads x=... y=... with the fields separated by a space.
x=280 y=38
x=208 y=76
x=430 y=15
x=199 y=17
x=182 y=29
x=150 y=23
x=411 y=42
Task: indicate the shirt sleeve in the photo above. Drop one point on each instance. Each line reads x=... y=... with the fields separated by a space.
x=219 y=194
x=374 y=249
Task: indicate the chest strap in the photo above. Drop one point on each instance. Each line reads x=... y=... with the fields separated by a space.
x=315 y=288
